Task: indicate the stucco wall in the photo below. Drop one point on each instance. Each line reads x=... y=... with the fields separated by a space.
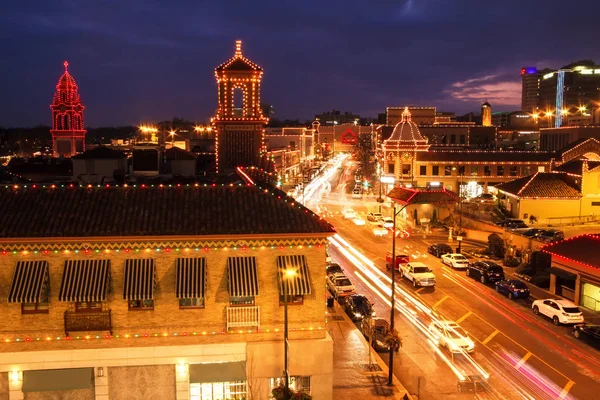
x=156 y=382
x=542 y=208
x=78 y=394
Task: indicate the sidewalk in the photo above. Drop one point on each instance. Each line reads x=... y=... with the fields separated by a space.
x=353 y=377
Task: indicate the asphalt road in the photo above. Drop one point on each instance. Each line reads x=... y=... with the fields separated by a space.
x=526 y=356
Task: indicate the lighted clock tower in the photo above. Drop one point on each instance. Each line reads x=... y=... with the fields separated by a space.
x=239 y=123
x=68 y=133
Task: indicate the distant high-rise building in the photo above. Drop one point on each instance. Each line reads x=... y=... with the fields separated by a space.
x=419 y=115
x=337 y=117
x=68 y=132
x=486 y=114
x=530 y=77
x=571 y=90
x=239 y=123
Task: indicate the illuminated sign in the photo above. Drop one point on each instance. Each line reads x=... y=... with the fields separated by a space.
x=348 y=137
x=529 y=71
x=548 y=76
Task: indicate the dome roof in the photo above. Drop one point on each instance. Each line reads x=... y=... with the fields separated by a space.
x=486 y=104
x=406 y=135
x=66 y=81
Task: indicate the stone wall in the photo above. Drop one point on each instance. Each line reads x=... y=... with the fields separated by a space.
x=78 y=394
x=142 y=383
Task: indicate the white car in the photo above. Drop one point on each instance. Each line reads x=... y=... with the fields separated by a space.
x=450 y=335
x=359 y=221
x=418 y=273
x=349 y=213
x=559 y=310
x=374 y=217
x=388 y=222
x=339 y=285
x=455 y=260
x=380 y=231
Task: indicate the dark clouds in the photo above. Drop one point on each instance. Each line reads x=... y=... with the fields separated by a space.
x=147 y=60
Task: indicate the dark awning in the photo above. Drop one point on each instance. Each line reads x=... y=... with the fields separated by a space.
x=562 y=273
x=29 y=283
x=58 y=379
x=243 y=276
x=85 y=280
x=218 y=372
x=299 y=282
x=190 y=277
x=140 y=279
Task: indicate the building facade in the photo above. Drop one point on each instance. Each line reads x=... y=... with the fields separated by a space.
x=99 y=165
x=160 y=292
x=239 y=123
x=486 y=114
x=68 y=131
x=419 y=115
x=530 y=78
x=555 y=139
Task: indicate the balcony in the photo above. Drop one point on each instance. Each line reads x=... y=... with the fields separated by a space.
x=87 y=321
x=243 y=317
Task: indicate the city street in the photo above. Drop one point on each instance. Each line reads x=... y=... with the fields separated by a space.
x=524 y=355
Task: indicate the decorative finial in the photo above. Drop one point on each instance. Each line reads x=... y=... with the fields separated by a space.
x=66 y=64
x=238 y=48
x=406 y=117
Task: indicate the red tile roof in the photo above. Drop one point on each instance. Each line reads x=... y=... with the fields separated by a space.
x=544 y=185
x=421 y=196
x=582 y=249
x=152 y=211
x=484 y=155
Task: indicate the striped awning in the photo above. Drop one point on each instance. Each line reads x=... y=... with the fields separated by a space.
x=85 y=280
x=298 y=283
x=140 y=279
x=243 y=276
x=29 y=283
x=190 y=277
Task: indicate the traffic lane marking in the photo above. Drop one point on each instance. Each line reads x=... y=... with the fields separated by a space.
x=566 y=389
x=490 y=337
x=433 y=307
x=461 y=319
x=523 y=360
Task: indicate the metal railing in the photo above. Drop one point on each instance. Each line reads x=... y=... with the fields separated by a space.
x=243 y=317
x=87 y=321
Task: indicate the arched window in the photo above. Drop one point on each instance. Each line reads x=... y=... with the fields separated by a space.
x=66 y=122
x=238 y=102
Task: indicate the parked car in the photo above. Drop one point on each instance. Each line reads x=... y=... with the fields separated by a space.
x=339 y=285
x=374 y=217
x=551 y=235
x=358 y=307
x=439 y=249
x=485 y=271
x=507 y=221
x=486 y=198
x=388 y=222
x=589 y=333
x=380 y=231
x=450 y=335
x=400 y=259
x=418 y=273
x=455 y=260
x=513 y=226
x=349 y=213
x=559 y=310
x=332 y=268
x=381 y=329
x=529 y=232
x=513 y=288
x=327 y=257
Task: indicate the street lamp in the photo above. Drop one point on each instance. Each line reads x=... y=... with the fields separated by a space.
x=172 y=134
x=289 y=274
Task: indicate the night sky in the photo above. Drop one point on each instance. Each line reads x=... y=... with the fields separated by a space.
x=147 y=60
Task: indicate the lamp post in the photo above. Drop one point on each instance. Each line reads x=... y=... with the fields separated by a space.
x=289 y=273
x=391 y=362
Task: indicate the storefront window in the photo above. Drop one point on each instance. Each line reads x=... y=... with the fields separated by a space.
x=218 y=391
x=590 y=296
x=405 y=169
x=297 y=384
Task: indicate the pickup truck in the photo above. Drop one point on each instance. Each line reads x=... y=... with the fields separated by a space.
x=418 y=273
x=400 y=259
x=339 y=285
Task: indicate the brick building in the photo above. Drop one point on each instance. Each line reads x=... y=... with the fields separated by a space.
x=159 y=292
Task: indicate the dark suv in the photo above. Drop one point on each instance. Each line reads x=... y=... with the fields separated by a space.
x=551 y=235
x=439 y=249
x=485 y=271
x=358 y=307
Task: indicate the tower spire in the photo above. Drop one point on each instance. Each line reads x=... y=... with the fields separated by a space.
x=238 y=48
x=66 y=64
x=406 y=117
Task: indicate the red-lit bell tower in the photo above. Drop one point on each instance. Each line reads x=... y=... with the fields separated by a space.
x=239 y=123
x=68 y=133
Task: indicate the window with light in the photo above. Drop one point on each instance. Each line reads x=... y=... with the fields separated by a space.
x=219 y=391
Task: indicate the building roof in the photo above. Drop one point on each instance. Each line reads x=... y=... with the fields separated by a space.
x=421 y=196
x=100 y=152
x=238 y=62
x=544 y=185
x=175 y=153
x=484 y=155
x=406 y=135
x=145 y=159
x=581 y=249
x=575 y=167
x=152 y=211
